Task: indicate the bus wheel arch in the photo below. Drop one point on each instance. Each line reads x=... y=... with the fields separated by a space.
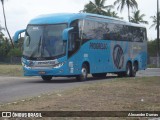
x=87 y=64
x=85 y=69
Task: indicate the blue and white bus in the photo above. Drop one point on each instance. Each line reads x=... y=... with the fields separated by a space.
x=78 y=44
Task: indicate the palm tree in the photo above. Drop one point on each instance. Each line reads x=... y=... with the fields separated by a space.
x=112 y=14
x=97 y=7
x=138 y=18
x=2 y=1
x=129 y=3
x=1 y=29
x=154 y=20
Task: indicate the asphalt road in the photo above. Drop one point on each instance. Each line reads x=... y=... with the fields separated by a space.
x=18 y=88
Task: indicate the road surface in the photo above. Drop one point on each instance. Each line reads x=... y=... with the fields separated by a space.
x=17 y=88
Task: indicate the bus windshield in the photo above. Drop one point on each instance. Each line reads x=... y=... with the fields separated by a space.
x=44 y=41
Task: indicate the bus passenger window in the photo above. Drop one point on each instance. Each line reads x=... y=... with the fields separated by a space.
x=141 y=36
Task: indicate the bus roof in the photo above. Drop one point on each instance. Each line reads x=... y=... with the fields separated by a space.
x=69 y=17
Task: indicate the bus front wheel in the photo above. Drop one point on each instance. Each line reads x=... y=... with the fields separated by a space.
x=84 y=73
x=47 y=77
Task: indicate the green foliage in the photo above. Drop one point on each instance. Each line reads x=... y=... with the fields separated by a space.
x=15 y=52
x=154 y=20
x=152 y=48
x=129 y=3
x=4 y=44
x=138 y=18
x=112 y=14
x=97 y=7
x=5 y=47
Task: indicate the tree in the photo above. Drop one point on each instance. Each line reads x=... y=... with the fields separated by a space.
x=138 y=18
x=154 y=20
x=4 y=46
x=152 y=48
x=2 y=1
x=97 y=7
x=112 y=14
x=129 y=3
x=15 y=52
x=1 y=34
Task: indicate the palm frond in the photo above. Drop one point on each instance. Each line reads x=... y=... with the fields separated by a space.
x=108 y=7
x=138 y=18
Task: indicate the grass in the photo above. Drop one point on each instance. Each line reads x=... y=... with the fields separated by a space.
x=151 y=66
x=11 y=70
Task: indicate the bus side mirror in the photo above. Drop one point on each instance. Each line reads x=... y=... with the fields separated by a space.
x=65 y=33
x=16 y=35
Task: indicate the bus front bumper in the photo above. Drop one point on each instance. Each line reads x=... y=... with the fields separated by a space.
x=28 y=71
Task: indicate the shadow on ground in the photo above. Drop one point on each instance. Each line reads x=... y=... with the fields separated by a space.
x=65 y=80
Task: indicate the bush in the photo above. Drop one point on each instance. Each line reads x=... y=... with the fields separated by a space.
x=15 y=52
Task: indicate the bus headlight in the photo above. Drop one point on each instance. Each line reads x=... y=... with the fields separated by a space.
x=58 y=65
x=27 y=63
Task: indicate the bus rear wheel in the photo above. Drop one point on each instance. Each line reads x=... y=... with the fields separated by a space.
x=134 y=69
x=47 y=77
x=84 y=73
x=128 y=72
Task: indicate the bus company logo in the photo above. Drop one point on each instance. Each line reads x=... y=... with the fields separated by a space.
x=118 y=56
x=98 y=46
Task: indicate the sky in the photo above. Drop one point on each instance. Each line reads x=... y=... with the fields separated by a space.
x=19 y=13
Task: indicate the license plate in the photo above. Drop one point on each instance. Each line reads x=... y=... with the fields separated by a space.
x=42 y=72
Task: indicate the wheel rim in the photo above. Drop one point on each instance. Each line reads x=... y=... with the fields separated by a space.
x=84 y=73
x=128 y=70
x=134 y=68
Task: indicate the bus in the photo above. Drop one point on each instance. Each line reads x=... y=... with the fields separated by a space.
x=79 y=44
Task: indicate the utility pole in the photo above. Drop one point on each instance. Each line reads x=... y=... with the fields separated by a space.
x=6 y=24
x=158 y=50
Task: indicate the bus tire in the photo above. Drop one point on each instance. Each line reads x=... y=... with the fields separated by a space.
x=128 y=72
x=47 y=77
x=84 y=73
x=99 y=75
x=134 y=69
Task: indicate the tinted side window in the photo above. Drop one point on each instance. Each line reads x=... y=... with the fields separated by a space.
x=112 y=31
x=137 y=34
x=95 y=30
